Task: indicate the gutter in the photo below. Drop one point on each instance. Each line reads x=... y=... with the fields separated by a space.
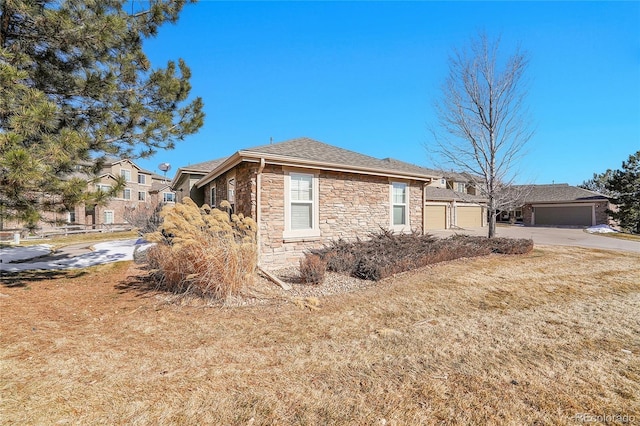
x=280 y=160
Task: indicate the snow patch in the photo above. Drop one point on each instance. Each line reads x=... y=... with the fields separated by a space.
x=13 y=254
x=600 y=229
x=112 y=251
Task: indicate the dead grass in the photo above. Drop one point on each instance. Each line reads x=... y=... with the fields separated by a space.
x=621 y=236
x=533 y=339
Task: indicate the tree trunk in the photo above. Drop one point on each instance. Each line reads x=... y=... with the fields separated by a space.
x=492 y=218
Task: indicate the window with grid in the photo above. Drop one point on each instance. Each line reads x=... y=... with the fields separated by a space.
x=126 y=174
x=399 y=197
x=142 y=195
x=301 y=198
x=108 y=217
x=126 y=194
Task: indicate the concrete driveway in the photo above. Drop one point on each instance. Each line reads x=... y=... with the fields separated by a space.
x=551 y=236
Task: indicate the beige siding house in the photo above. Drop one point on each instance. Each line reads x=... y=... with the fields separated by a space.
x=143 y=192
x=454 y=201
x=304 y=193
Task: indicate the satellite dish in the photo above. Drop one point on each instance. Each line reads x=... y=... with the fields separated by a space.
x=165 y=167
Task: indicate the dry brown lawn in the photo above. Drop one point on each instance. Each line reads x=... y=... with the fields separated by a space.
x=552 y=337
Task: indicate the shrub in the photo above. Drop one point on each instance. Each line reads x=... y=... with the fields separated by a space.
x=312 y=269
x=203 y=251
x=386 y=253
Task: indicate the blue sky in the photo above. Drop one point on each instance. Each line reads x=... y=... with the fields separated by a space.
x=365 y=75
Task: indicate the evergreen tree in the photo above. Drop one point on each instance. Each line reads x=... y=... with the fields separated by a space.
x=599 y=183
x=77 y=87
x=626 y=183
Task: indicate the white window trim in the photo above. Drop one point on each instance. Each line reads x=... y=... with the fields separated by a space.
x=295 y=234
x=231 y=197
x=407 y=226
x=164 y=199
x=124 y=191
x=144 y=196
x=113 y=217
x=147 y=179
x=130 y=174
x=212 y=196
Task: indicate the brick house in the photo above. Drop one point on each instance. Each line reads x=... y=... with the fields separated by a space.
x=304 y=194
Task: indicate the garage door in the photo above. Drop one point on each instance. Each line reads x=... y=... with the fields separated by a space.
x=564 y=216
x=435 y=217
x=469 y=216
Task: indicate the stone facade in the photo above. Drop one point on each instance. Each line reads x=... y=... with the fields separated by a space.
x=350 y=205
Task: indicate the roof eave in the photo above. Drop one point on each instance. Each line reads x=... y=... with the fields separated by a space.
x=283 y=160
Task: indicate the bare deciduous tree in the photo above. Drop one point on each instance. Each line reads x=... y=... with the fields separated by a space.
x=483 y=120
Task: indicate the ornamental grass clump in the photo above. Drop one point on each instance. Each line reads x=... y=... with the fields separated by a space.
x=203 y=251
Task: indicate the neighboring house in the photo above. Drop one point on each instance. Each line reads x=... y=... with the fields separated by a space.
x=304 y=194
x=184 y=182
x=561 y=205
x=143 y=193
x=454 y=201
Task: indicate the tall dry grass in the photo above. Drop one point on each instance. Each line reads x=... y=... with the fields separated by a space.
x=203 y=251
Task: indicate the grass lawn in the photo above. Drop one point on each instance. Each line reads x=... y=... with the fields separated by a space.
x=543 y=338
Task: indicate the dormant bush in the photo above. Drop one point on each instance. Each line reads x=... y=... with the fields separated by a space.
x=386 y=253
x=203 y=251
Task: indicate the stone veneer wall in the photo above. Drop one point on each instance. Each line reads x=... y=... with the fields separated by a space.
x=245 y=195
x=351 y=205
x=602 y=216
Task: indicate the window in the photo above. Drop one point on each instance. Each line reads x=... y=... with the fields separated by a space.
x=142 y=179
x=213 y=200
x=399 y=204
x=71 y=218
x=168 y=197
x=231 y=190
x=301 y=201
x=126 y=174
x=103 y=188
x=108 y=217
x=142 y=195
x=301 y=206
x=461 y=187
x=126 y=194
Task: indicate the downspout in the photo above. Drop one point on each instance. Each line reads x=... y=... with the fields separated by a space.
x=424 y=207
x=258 y=205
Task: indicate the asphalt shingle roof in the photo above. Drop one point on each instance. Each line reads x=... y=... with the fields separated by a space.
x=205 y=166
x=312 y=150
x=557 y=192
